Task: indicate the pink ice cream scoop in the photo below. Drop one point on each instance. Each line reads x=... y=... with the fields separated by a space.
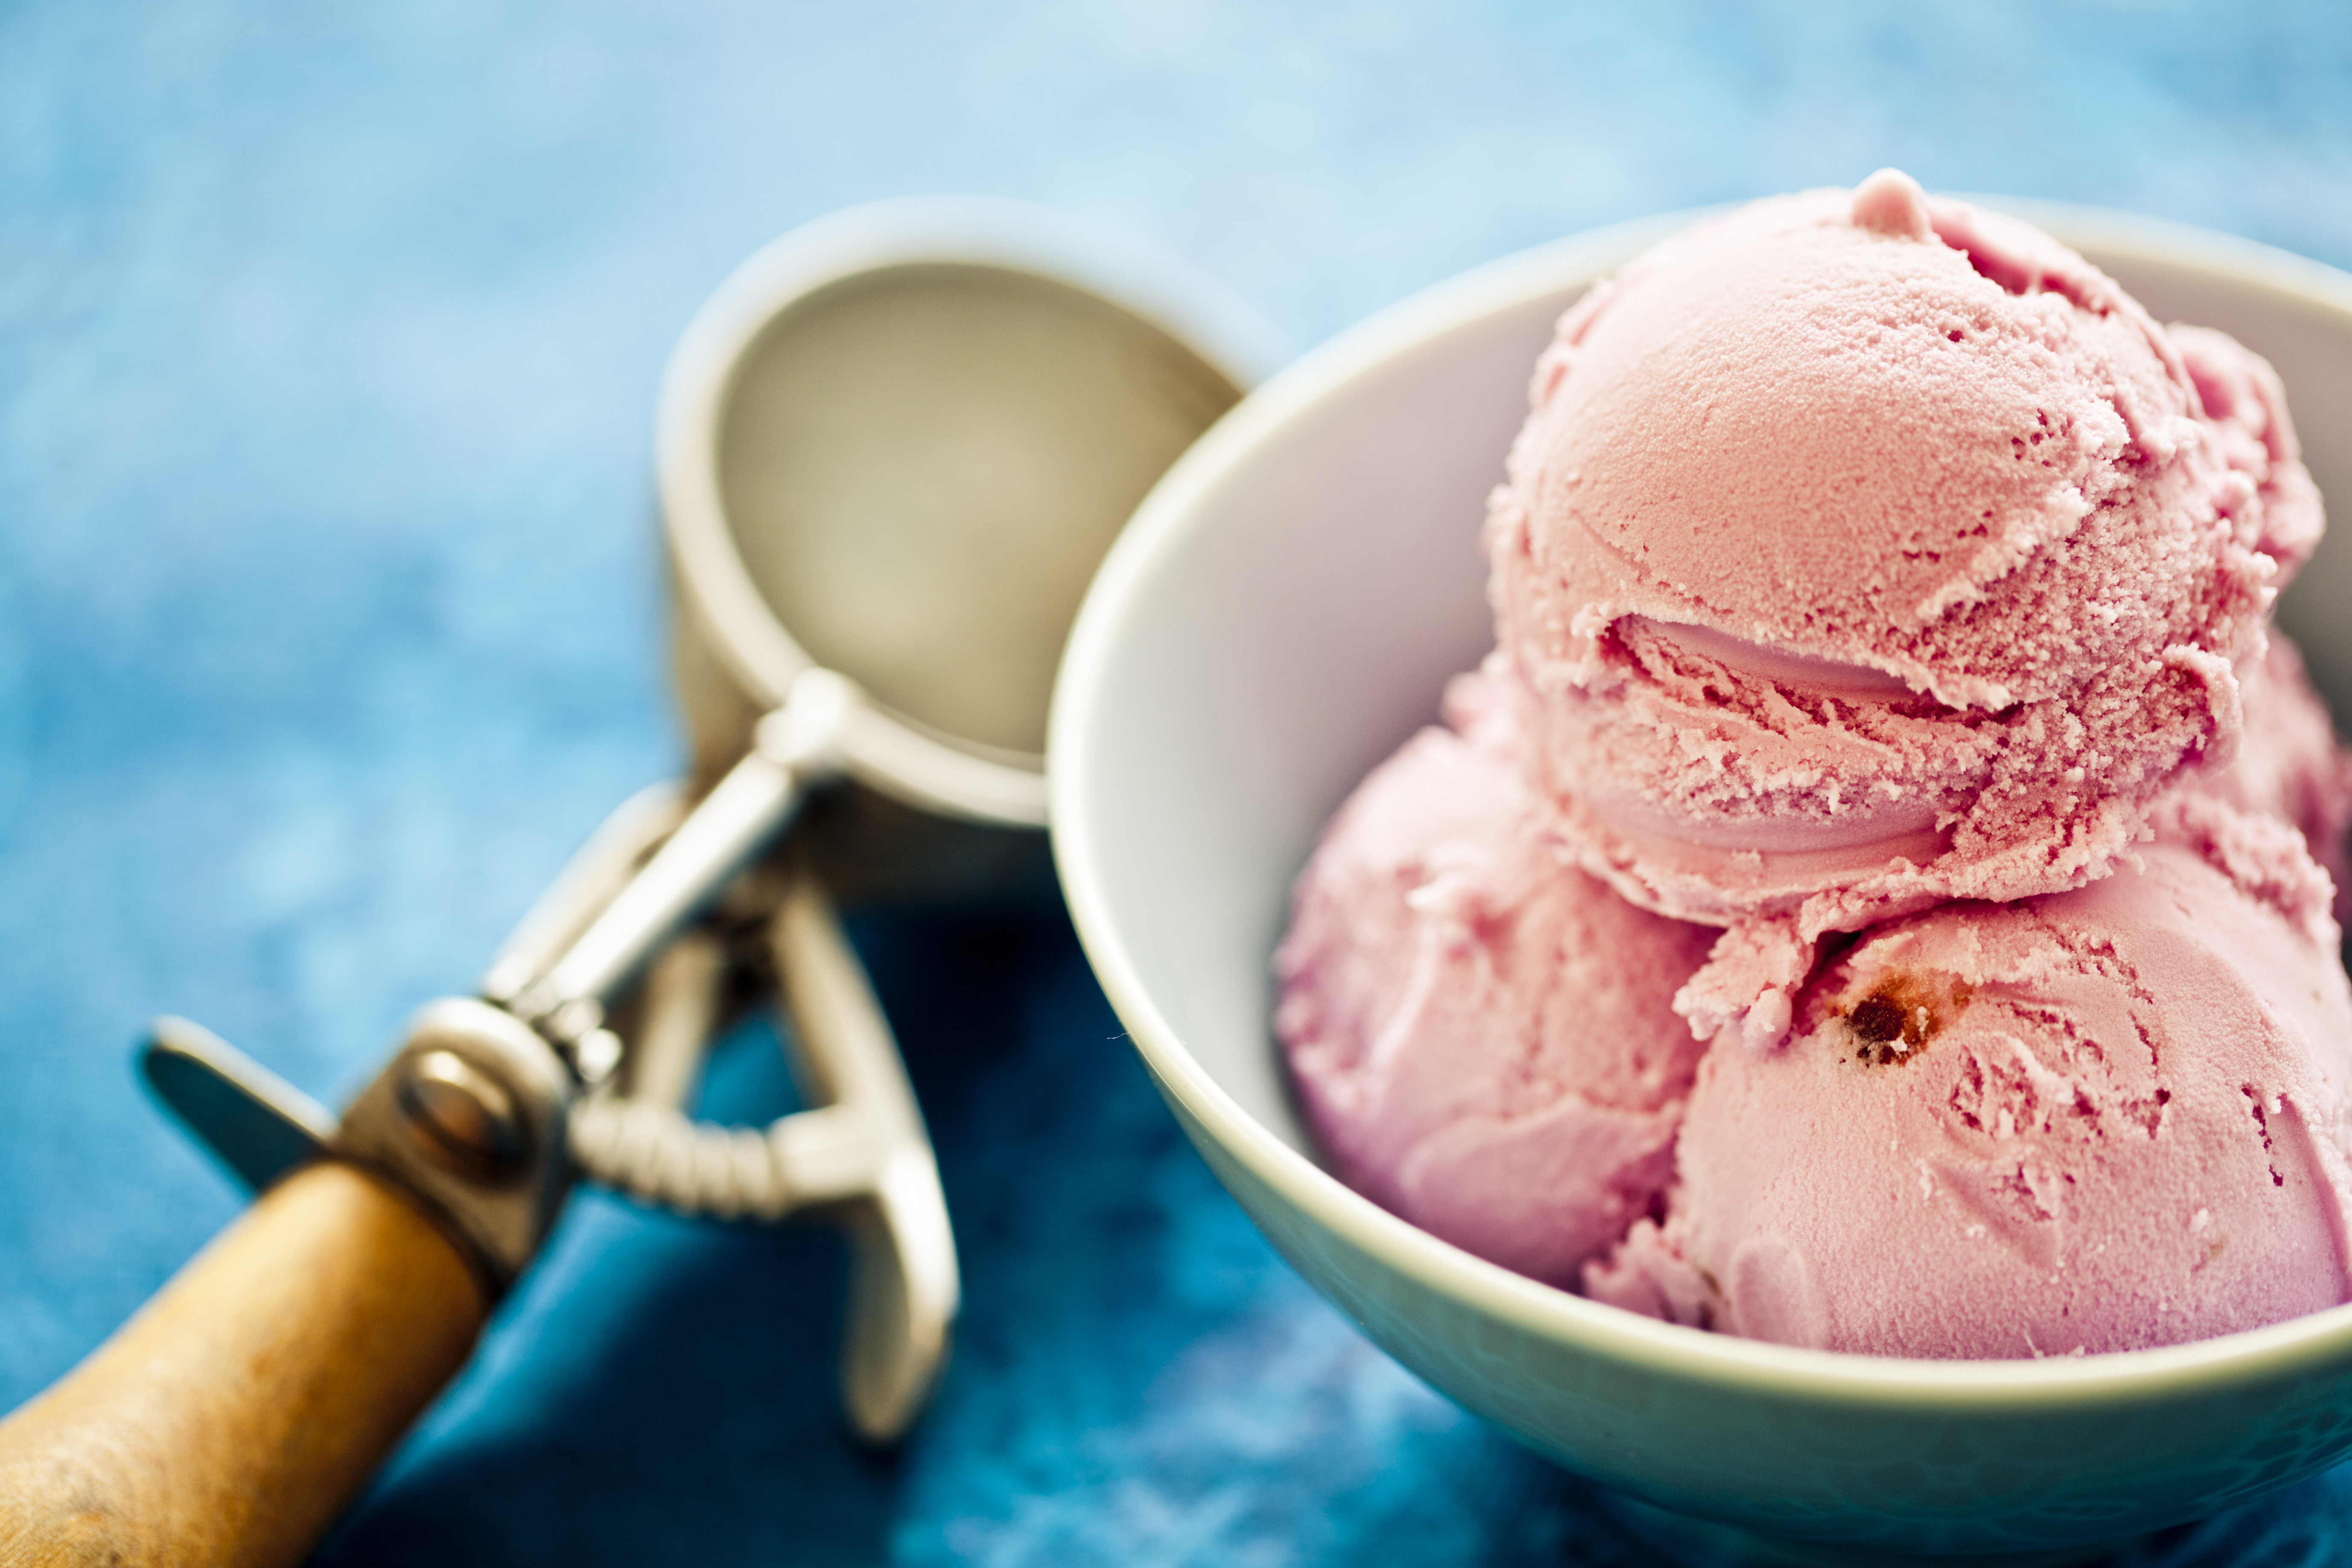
x=1878 y=587
x=1480 y=1034
x=2276 y=815
x=1863 y=550
x=2093 y=1121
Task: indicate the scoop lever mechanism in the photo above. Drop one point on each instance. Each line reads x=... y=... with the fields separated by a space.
x=443 y=1122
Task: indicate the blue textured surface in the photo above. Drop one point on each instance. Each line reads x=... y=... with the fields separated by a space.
x=329 y=624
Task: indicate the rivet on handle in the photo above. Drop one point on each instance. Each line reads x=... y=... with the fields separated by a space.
x=465 y=1120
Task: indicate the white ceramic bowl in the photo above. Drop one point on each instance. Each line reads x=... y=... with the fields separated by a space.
x=1281 y=613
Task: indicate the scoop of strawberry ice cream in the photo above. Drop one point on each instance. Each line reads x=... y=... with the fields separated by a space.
x=1863 y=550
x=2276 y=815
x=1480 y=1034
x=2092 y=1120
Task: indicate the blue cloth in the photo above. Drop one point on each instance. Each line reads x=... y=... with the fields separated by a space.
x=330 y=622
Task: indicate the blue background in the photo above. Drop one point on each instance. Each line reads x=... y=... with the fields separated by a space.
x=330 y=622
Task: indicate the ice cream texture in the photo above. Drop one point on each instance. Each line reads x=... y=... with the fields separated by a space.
x=1863 y=550
x=1481 y=1034
x=1879 y=894
x=2094 y=1121
x=2276 y=816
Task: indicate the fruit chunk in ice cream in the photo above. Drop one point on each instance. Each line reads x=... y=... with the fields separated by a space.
x=1480 y=1033
x=2093 y=1121
x=1863 y=550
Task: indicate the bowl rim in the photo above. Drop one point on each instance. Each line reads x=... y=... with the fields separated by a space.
x=2275 y=1352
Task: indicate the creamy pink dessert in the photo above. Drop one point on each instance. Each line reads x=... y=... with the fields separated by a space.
x=2290 y=773
x=2093 y=1121
x=1482 y=1035
x=1863 y=550
x=1878 y=588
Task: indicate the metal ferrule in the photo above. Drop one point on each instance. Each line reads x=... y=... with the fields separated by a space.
x=469 y=1119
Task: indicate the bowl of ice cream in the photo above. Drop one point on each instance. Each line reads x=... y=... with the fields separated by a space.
x=1285 y=610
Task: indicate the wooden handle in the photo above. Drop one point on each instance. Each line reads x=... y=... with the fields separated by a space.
x=238 y=1413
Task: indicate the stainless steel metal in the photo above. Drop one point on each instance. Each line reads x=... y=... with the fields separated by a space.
x=918 y=434
x=409 y=1123
x=858 y=1156
x=596 y=1057
x=799 y=746
x=467 y=1118
x=896 y=442
x=860 y=1153
x=256 y=1123
x=580 y=892
x=905 y=1288
x=908 y=434
x=679 y=1012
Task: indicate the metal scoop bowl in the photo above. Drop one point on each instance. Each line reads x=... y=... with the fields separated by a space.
x=892 y=450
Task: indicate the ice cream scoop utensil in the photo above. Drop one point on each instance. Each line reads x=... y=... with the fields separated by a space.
x=859 y=1154
x=892 y=447
x=908 y=434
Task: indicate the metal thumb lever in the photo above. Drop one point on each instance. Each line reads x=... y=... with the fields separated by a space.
x=254 y=1122
x=861 y=1156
